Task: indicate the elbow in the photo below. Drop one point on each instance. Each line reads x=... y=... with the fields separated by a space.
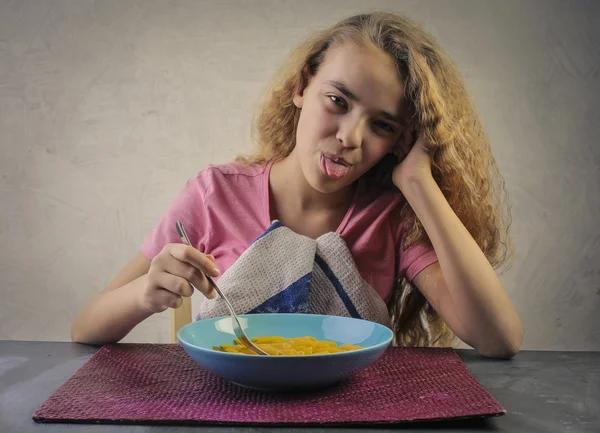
x=82 y=339
x=506 y=348
x=503 y=347
x=76 y=336
x=504 y=352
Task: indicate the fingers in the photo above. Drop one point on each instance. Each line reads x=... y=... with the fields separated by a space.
x=406 y=141
x=189 y=267
x=173 y=283
x=410 y=137
x=189 y=274
x=163 y=299
x=195 y=258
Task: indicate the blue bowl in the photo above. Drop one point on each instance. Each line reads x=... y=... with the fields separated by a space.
x=285 y=373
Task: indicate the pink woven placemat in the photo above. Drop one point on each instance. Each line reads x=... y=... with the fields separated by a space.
x=161 y=384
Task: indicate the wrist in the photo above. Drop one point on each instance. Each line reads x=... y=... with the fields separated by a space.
x=415 y=184
x=139 y=294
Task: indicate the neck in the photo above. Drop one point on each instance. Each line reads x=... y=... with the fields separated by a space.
x=290 y=188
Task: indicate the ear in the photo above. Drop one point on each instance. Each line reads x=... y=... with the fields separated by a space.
x=298 y=98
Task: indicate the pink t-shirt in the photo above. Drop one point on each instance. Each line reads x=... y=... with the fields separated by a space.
x=224 y=208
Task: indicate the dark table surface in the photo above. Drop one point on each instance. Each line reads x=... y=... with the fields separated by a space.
x=541 y=391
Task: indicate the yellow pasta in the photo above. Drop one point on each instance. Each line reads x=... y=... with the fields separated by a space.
x=297 y=346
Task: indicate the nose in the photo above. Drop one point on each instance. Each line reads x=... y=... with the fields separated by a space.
x=351 y=131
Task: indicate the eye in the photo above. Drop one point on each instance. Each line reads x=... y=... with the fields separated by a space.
x=384 y=126
x=338 y=101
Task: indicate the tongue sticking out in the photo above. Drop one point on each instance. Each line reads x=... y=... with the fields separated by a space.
x=335 y=170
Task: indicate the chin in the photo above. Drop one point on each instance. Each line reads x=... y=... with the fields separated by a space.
x=325 y=185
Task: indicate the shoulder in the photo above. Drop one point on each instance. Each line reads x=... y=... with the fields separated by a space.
x=235 y=169
x=375 y=201
x=230 y=175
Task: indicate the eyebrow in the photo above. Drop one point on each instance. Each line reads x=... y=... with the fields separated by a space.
x=351 y=95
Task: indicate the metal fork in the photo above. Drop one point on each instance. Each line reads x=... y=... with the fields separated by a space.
x=237 y=328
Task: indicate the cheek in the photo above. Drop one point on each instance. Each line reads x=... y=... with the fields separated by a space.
x=379 y=149
x=315 y=123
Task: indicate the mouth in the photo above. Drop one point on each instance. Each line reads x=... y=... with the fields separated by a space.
x=334 y=166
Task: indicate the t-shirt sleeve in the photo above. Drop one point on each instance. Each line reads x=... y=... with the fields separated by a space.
x=188 y=208
x=412 y=260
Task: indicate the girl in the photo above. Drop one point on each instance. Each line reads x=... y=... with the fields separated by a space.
x=366 y=131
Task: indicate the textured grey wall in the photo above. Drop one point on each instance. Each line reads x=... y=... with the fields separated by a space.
x=107 y=107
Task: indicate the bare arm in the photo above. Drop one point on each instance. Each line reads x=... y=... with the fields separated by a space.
x=114 y=312
x=463 y=287
x=142 y=288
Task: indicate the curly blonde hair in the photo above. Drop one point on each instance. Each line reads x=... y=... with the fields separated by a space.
x=462 y=161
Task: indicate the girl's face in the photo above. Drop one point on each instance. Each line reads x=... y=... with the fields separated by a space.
x=352 y=114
